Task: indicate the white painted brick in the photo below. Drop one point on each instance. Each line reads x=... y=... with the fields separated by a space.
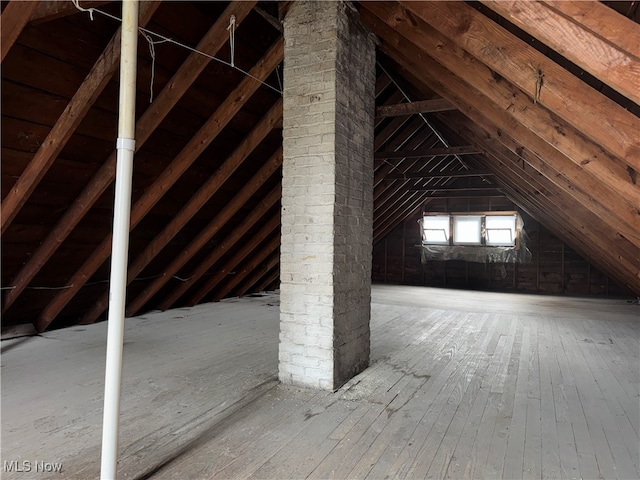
x=327 y=204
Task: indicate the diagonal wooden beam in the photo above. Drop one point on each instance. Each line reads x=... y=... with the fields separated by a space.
x=593 y=36
x=588 y=111
x=257 y=214
x=271 y=119
x=253 y=266
x=145 y=126
x=536 y=194
x=545 y=193
x=567 y=177
x=232 y=263
x=51 y=9
x=408 y=208
x=71 y=117
x=411 y=108
x=503 y=103
x=430 y=152
x=13 y=19
x=230 y=209
x=451 y=174
x=196 y=145
x=253 y=277
x=269 y=279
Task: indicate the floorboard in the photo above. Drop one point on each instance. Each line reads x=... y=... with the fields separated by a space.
x=461 y=385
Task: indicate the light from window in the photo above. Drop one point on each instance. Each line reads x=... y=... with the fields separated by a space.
x=501 y=230
x=436 y=229
x=466 y=230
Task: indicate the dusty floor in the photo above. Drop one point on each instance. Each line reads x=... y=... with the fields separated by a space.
x=462 y=384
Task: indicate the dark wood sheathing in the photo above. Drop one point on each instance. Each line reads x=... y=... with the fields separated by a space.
x=576 y=180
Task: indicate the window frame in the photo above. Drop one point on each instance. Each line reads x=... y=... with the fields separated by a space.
x=483 y=229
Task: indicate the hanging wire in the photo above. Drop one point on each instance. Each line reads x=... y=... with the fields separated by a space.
x=232 y=38
x=187 y=47
x=90 y=10
x=152 y=51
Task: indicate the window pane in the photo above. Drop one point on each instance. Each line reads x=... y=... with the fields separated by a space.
x=436 y=229
x=466 y=230
x=501 y=230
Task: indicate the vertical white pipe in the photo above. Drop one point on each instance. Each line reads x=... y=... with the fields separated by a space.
x=120 y=245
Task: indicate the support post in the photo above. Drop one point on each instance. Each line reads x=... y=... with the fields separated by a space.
x=121 y=218
x=327 y=195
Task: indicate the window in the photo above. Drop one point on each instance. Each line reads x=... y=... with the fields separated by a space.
x=501 y=230
x=436 y=229
x=495 y=229
x=467 y=230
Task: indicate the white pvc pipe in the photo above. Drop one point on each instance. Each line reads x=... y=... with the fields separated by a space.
x=120 y=245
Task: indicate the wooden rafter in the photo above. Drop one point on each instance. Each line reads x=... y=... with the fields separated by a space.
x=230 y=209
x=408 y=208
x=252 y=266
x=430 y=152
x=65 y=126
x=196 y=145
x=269 y=279
x=544 y=192
x=411 y=108
x=145 y=126
x=450 y=174
x=490 y=99
x=270 y=120
x=225 y=271
x=540 y=198
x=567 y=177
x=13 y=19
x=593 y=36
x=51 y=9
x=590 y=112
x=253 y=277
x=257 y=214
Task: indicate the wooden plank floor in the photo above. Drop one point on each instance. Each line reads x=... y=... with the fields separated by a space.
x=461 y=385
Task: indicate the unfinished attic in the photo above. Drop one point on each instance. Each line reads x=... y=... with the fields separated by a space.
x=386 y=239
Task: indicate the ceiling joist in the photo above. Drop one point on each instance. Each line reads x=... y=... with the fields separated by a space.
x=412 y=108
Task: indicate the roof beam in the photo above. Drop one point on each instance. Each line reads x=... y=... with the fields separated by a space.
x=232 y=263
x=411 y=108
x=145 y=126
x=13 y=19
x=406 y=210
x=51 y=9
x=230 y=209
x=196 y=145
x=501 y=102
x=568 y=222
x=568 y=177
x=597 y=117
x=257 y=274
x=542 y=190
x=430 y=152
x=269 y=279
x=271 y=119
x=73 y=114
x=257 y=215
x=456 y=174
x=253 y=266
x=593 y=36
x=484 y=110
